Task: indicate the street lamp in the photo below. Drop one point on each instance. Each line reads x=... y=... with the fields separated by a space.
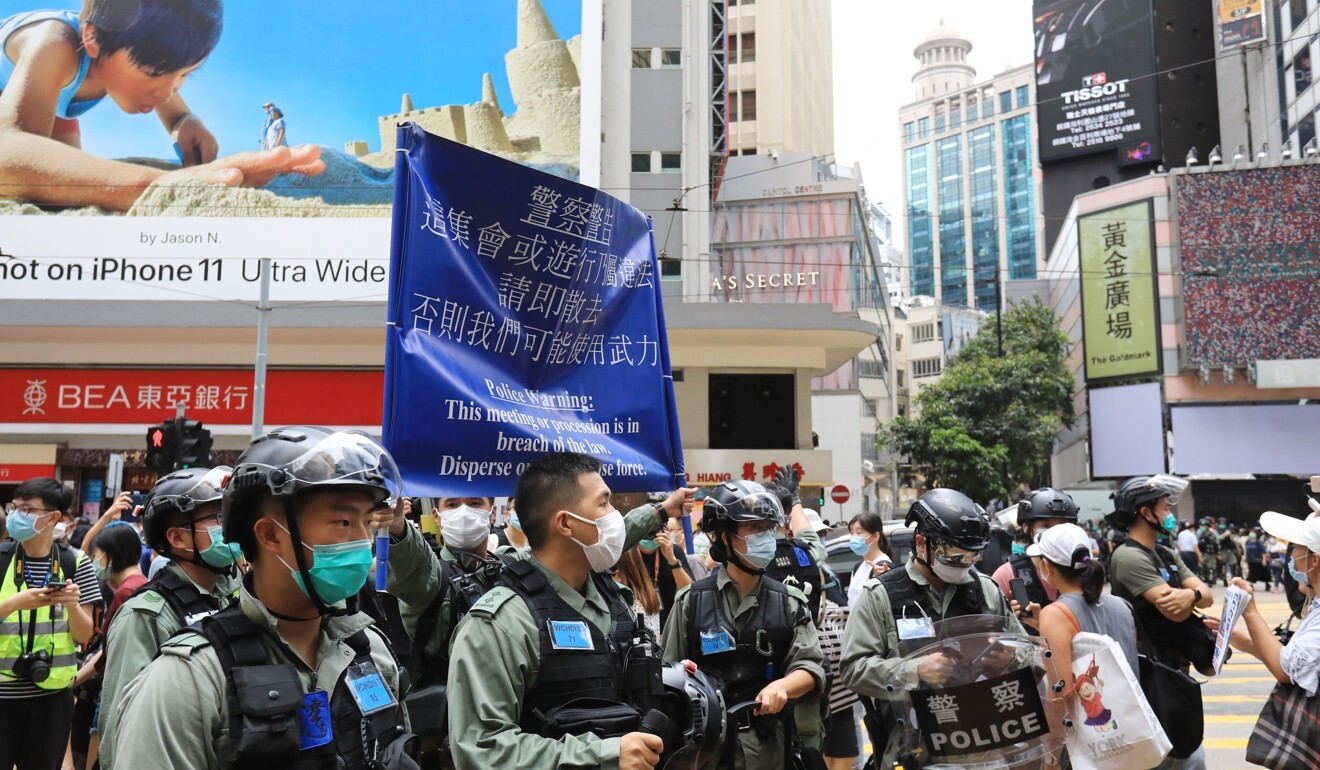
x=1287 y=152
x=1215 y=157
x=1239 y=155
x=1312 y=149
x=1192 y=160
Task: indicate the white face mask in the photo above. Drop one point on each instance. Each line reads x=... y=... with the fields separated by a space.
x=951 y=575
x=610 y=534
x=464 y=527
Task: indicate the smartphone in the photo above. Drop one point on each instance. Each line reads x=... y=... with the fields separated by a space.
x=138 y=499
x=1019 y=590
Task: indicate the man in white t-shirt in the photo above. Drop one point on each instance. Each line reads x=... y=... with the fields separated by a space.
x=1190 y=549
x=275 y=131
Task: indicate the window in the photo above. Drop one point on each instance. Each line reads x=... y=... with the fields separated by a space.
x=641 y=162
x=900 y=378
x=926 y=367
x=902 y=410
x=1022 y=97
x=671 y=269
x=671 y=58
x=641 y=58
x=898 y=342
x=748 y=100
x=955 y=120
x=988 y=106
x=747 y=47
x=909 y=131
x=939 y=124
x=923 y=127
x=671 y=162
x=1006 y=102
x=1302 y=69
x=923 y=332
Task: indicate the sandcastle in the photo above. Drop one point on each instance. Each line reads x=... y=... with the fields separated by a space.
x=543 y=72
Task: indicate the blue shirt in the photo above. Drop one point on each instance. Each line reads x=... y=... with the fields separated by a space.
x=66 y=108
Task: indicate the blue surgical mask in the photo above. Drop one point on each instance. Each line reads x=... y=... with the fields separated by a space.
x=649 y=546
x=1170 y=523
x=1019 y=549
x=1298 y=575
x=220 y=554
x=102 y=571
x=22 y=526
x=513 y=521
x=858 y=545
x=338 y=570
x=760 y=549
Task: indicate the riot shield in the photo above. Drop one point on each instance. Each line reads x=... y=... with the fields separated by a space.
x=985 y=698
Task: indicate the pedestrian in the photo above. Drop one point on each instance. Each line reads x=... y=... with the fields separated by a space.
x=867 y=539
x=937 y=583
x=1036 y=514
x=666 y=567
x=1257 y=562
x=1163 y=592
x=268 y=108
x=1189 y=547
x=275 y=136
x=841 y=747
x=114 y=554
x=557 y=629
x=696 y=561
x=180 y=521
x=47 y=591
x=1278 y=556
x=310 y=682
x=752 y=630
x=646 y=600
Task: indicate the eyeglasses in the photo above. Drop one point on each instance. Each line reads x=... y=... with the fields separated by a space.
x=958 y=558
x=212 y=517
x=27 y=510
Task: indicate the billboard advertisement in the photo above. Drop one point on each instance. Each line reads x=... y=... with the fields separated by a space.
x=958 y=330
x=1120 y=305
x=1094 y=92
x=1249 y=243
x=1239 y=22
x=194 y=137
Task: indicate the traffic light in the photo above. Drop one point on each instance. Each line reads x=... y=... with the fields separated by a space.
x=162 y=447
x=195 y=446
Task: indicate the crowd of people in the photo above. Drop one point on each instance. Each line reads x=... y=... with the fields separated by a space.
x=237 y=624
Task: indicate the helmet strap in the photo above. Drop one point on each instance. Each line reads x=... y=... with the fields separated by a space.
x=195 y=557
x=725 y=542
x=300 y=558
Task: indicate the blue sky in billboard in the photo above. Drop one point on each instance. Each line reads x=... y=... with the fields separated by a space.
x=332 y=66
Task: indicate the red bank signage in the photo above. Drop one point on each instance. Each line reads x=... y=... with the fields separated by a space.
x=213 y=396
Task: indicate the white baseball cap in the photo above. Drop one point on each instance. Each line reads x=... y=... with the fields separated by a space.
x=813 y=517
x=1067 y=545
x=1304 y=532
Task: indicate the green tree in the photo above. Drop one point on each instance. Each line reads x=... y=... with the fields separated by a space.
x=990 y=422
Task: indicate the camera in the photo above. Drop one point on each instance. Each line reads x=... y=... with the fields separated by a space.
x=33 y=665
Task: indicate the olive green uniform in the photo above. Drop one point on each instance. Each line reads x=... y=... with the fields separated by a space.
x=494 y=661
x=176 y=713
x=140 y=626
x=871 y=658
x=803 y=655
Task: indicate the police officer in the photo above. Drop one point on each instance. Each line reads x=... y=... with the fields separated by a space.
x=799 y=551
x=181 y=521
x=1212 y=566
x=1037 y=512
x=749 y=628
x=556 y=630
x=895 y=612
x=288 y=676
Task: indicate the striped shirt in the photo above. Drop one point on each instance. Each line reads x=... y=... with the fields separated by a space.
x=833 y=620
x=34 y=574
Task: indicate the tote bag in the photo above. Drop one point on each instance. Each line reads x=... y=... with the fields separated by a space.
x=1287 y=735
x=1114 y=727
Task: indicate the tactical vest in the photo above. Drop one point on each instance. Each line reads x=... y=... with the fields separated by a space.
x=596 y=666
x=189 y=604
x=40 y=629
x=463 y=590
x=757 y=658
x=1209 y=543
x=794 y=566
x=904 y=592
x=1025 y=570
x=264 y=699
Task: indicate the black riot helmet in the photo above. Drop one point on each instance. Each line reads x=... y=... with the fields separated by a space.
x=288 y=462
x=698 y=718
x=1140 y=491
x=949 y=516
x=1046 y=503
x=176 y=496
x=735 y=502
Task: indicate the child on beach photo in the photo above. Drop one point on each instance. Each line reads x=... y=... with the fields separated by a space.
x=56 y=65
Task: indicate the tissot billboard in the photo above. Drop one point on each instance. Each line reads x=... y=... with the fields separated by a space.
x=1094 y=86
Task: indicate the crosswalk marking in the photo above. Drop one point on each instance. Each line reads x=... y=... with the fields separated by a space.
x=1226 y=743
x=1234 y=698
x=1230 y=719
x=1221 y=679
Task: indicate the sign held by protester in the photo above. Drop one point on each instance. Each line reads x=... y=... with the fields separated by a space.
x=525 y=317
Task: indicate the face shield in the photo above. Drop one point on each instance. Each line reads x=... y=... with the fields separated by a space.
x=208 y=489
x=756 y=506
x=1168 y=486
x=348 y=458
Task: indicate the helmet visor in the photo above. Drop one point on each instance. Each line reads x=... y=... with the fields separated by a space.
x=1170 y=486
x=757 y=506
x=209 y=488
x=344 y=458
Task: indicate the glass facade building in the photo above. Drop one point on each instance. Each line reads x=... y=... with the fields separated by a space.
x=953 y=237
x=985 y=214
x=1019 y=185
x=920 y=239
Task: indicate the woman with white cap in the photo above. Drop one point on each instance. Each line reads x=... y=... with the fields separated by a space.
x=1064 y=560
x=1297 y=662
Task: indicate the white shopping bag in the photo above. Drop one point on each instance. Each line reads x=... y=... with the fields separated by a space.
x=1114 y=727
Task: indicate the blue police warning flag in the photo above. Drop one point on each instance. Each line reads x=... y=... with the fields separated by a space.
x=524 y=318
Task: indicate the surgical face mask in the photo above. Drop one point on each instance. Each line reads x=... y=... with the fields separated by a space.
x=23 y=526
x=1170 y=523
x=102 y=571
x=1019 y=549
x=760 y=549
x=1297 y=574
x=858 y=545
x=514 y=522
x=220 y=554
x=465 y=527
x=610 y=534
x=950 y=574
x=649 y=546
x=338 y=570
x=60 y=529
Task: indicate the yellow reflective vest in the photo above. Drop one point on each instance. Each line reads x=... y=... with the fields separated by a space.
x=51 y=634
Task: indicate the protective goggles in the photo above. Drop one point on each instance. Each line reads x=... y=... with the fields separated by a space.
x=953 y=555
x=208 y=489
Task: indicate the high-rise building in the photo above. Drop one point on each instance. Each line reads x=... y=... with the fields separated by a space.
x=970 y=179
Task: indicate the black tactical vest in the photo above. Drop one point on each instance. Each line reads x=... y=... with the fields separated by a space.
x=264 y=700
x=904 y=593
x=188 y=603
x=757 y=657
x=794 y=566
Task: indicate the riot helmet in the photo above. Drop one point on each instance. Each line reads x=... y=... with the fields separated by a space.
x=733 y=503
x=175 y=496
x=949 y=516
x=698 y=721
x=1140 y=491
x=1046 y=503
